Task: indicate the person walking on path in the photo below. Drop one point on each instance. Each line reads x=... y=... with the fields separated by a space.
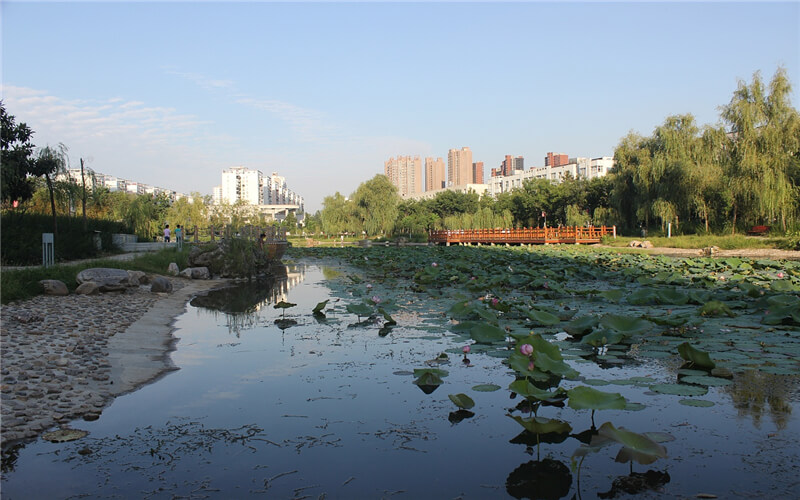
x=179 y=236
x=166 y=233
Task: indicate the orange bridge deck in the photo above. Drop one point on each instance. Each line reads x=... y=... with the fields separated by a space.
x=525 y=236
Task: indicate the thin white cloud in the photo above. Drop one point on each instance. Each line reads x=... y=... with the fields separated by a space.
x=129 y=139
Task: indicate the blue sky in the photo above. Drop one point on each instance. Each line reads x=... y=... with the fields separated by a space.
x=323 y=93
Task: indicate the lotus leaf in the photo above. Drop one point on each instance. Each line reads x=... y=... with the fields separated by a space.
x=359 y=310
x=283 y=305
x=716 y=308
x=485 y=388
x=530 y=391
x=783 y=286
x=586 y=398
x=486 y=334
x=579 y=327
x=317 y=311
x=539 y=425
x=679 y=389
x=625 y=324
x=389 y=321
x=673 y=297
x=543 y=318
x=429 y=376
x=612 y=295
x=643 y=296
x=602 y=337
x=706 y=380
x=462 y=401
x=545 y=363
x=700 y=403
x=696 y=357
x=636 y=446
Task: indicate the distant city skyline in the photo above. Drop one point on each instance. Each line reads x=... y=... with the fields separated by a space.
x=140 y=93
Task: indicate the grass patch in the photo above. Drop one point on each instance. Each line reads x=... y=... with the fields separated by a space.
x=24 y=283
x=726 y=242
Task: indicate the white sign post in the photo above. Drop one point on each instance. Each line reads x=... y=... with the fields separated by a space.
x=48 y=250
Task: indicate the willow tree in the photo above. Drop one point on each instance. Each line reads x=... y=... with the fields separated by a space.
x=709 y=196
x=336 y=214
x=631 y=185
x=762 y=144
x=674 y=149
x=376 y=203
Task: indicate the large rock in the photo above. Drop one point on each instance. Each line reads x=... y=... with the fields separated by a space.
x=233 y=258
x=137 y=278
x=160 y=284
x=88 y=288
x=196 y=273
x=54 y=287
x=108 y=279
x=173 y=269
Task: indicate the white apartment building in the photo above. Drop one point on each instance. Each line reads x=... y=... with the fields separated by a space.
x=240 y=183
x=577 y=168
x=277 y=192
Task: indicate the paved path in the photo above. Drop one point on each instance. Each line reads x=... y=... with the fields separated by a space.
x=119 y=256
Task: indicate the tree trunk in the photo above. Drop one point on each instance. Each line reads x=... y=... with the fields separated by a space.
x=733 y=229
x=52 y=205
x=83 y=199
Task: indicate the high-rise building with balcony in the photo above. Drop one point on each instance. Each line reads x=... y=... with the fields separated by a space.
x=405 y=172
x=435 y=177
x=459 y=167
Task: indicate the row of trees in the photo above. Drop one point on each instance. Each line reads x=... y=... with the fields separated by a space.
x=377 y=209
x=743 y=171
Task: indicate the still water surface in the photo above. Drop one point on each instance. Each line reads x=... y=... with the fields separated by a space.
x=327 y=409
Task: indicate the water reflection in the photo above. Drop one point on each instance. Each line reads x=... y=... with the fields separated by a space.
x=545 y=479
x=636 y=482
x=241 y=302
x=755 y=393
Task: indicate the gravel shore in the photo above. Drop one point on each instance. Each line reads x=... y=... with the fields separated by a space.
x=65 y=358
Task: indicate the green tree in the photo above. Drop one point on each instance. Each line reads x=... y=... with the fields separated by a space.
x=762 y=146
x=337 y=213
x=16 y=159
x=51 y=161
x=376 y=203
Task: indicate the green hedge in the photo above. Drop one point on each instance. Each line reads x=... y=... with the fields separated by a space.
x=21 y=237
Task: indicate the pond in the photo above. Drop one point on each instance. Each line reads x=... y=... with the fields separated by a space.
x=372 y=397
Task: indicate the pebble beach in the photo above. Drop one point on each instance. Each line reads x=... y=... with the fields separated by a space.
x=67 y=357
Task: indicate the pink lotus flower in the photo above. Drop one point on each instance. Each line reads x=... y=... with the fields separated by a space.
x=369 y=287
x=434 y=264
x=376 y=299
x=495 y=301
x=465 y=349
x=780 y=275
x=526 y=349
x=531 y=366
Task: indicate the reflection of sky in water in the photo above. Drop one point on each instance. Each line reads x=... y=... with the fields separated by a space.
x=332 y=417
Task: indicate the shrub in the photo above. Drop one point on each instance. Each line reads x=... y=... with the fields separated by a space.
x=21 y=237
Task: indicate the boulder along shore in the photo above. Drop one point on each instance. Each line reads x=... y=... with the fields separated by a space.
x=68 y=357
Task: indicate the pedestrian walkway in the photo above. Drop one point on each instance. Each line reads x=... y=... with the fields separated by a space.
x=120 y=256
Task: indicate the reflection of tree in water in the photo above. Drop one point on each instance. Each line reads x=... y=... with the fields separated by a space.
x=241 y=302
x=546 y=479
x=755 y=392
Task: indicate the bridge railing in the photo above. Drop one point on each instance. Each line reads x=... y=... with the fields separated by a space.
x=536 y=235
